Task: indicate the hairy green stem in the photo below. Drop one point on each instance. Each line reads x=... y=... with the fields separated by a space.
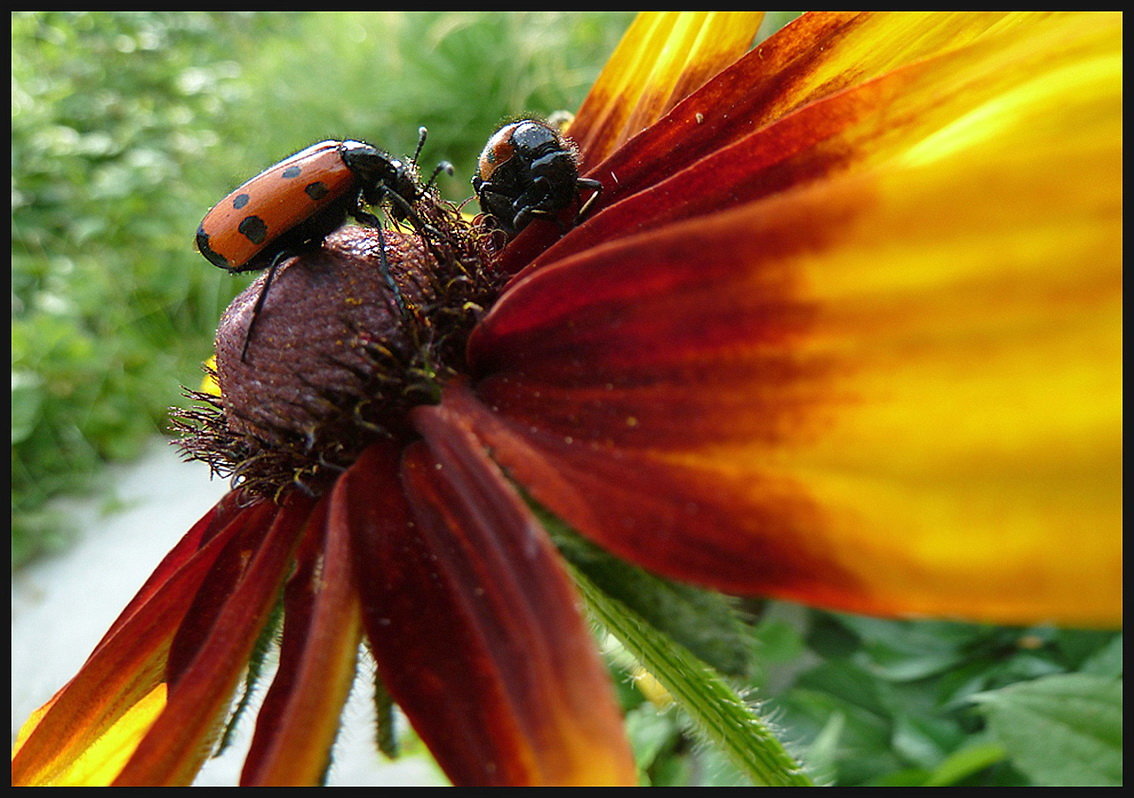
x=721 y=715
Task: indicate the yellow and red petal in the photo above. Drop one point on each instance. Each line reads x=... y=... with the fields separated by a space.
x=217 y=588
x=176 y=745
x=892 y=385
x=473 y=622
x=297 y=724
x=782 y=115
x=97 y=719
x=815 y=56
x=661 y=59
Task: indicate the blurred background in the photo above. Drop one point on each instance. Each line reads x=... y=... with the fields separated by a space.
x=126 y=128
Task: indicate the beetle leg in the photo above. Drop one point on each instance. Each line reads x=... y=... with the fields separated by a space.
x=276 y=261
x=384 y=270
x=530 y=204
x=584 y=183
x=370 y=220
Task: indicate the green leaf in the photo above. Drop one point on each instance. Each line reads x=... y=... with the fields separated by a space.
x=1060 y=730
x=1090 y=650
x=860 y=751
x=1107 y=660
x=650 y=733
x=778 y=641
x=922 y=739
x=27 y=397
x=964 y=763
x=848 y=682
x=907 y=650
x=823 y=753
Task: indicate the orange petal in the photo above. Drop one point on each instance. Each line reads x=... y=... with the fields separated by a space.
x=178 y=742
x=661 y=59
x=298 y=722
x=103 y=759
x=233 y=506
x=896 y=384
x=822 y=53
x=105 y=710
x=216 y=589
x=521 y=600
x=815 y=57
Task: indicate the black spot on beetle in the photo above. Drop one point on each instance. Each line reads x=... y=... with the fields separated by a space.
x=254 y=229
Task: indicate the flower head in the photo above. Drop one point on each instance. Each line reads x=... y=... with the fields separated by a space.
x=843 y=327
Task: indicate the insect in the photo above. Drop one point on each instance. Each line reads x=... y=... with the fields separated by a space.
x=529 y=170
x=301 y=200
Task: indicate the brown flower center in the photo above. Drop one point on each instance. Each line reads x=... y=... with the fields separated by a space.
x=334 y=361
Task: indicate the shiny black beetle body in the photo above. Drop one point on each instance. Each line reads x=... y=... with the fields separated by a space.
x=528 y=170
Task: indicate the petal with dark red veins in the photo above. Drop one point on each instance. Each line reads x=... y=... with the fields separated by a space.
x=815 y=56
x=662 y=58
x=231 y=506
x=895 y=389
x=901 y=74
x=474 y=624
x=297 y=723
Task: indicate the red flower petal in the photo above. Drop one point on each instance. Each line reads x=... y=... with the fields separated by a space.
x=473 y=622
x=815 y=57
x=178 y=742
x=660 y=60
x=771 y=392
x=297 y=724
x=216 y=589
x=691 y=523
x=895 y=389
x=130 y=660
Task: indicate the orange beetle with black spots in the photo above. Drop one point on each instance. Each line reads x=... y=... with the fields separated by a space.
x=301 y=200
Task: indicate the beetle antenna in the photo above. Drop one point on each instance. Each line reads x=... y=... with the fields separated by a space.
x=445 y=167
x=421 y=133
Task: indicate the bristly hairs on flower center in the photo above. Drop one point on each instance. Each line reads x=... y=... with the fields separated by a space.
x=335 y=364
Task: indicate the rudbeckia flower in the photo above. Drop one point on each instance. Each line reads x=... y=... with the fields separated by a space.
x=843 y=328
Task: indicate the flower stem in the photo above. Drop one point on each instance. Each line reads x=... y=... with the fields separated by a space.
x=722 y=715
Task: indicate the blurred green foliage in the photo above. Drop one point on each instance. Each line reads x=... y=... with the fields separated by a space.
x=127 y=126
